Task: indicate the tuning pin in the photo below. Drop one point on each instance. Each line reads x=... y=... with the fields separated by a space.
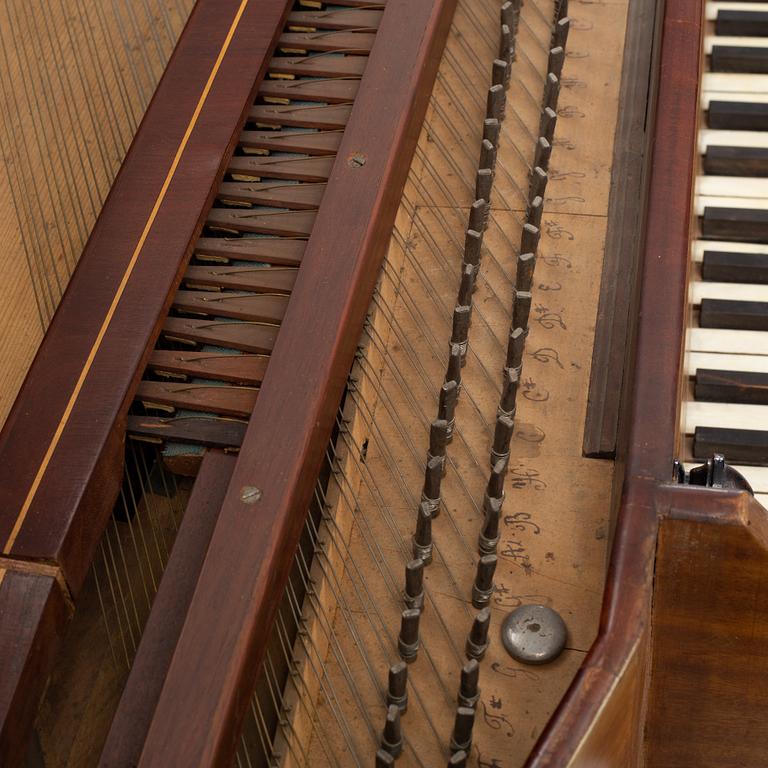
x=437 y=438
x=547 y=123
x=397 y=686
x=495 y=487
x=469 y=692
x=515 y=347
x=422 y=539
x=430 y=493
x=384 y=759
x=483 y=184
x=500 y=75
x=507 y=14
x=506 y=44
x=551 y=91
x=507 y=402
x=496 y=102
x=487 y=156
x=543 y=153
x=472 y=242
x=561 y=10
x=477 y=214
x=521 y=309
x=482 y=589
x=526 y=263
x=560 y=33
x=461 y=739
x=477 y=642
x=535 y=212
x=538 y=183
x=392 y=737
x=449 y=394
x=502 y=436
x=491 y=131
x=460 y=332
x=556 y=61
x=458 y=759
x=453 y=372
x=408 y=640
x=529 y=240
x=488 y=539
x=414 y=583
x=467 y=285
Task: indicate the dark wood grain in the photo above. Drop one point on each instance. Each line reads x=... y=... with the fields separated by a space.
x=617 y=306
x=292 y=422
x=739 y=446
x=137 y=704
x=731 y=386
x=736 y=161
x=710 y=638
x=64 y=517
x=737 y=116
x=33 y=616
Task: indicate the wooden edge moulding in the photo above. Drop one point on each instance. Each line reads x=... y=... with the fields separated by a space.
x=272 y=483
x=61 y=451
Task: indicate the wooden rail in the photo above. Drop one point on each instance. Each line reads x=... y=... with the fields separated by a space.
x=213 y=671
x=601 y=718
x=61 y=447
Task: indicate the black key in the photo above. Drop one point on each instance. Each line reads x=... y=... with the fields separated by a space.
x=726 y=267
x=731 y=386
x=739 y=58
x=742 y=23
x=739 y=446
x=737 y=315
x=737 y=116
x=736 y=161
x=744 y=225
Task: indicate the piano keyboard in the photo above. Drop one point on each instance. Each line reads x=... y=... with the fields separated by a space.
x=727 y=345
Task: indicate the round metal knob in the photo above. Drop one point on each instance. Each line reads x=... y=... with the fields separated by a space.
x=534 y=634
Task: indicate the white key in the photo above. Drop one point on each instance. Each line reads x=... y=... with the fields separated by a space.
x=713 y=7
x=728 y=415
x=732 y=186
x=755 y=98
x=725 y=246
x=757 y=477
x=735 y=82
x=752 y=203
x=762 y=498
x=727 y=340
x=703 y=289
x=724 y=362
x=709 y=137
x=710 y=41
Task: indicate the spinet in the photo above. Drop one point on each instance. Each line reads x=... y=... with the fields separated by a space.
x=289 y=450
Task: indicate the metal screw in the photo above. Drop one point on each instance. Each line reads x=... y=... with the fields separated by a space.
x=356 y=160
x=250 y=495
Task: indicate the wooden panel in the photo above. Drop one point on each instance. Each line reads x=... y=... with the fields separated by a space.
x=137 y=704
x=710 y=636
x=294 y=415
x=33 y=616
x=81 y=380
